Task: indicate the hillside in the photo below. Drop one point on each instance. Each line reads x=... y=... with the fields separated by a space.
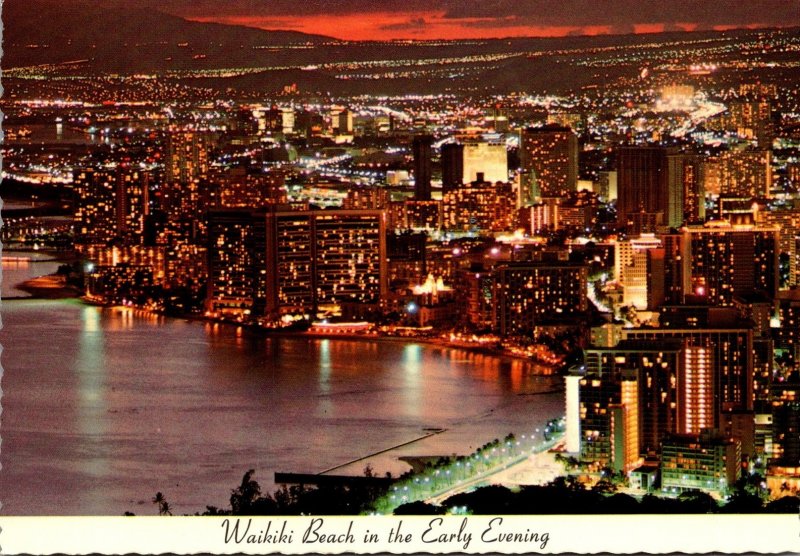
x=128 y=39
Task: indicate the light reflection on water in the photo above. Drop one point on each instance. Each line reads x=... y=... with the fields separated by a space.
x=19 y=266
x=104 y=408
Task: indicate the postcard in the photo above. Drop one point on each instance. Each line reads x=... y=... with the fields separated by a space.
x=360 y=277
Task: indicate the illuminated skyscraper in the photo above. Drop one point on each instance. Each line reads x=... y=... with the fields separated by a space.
x=686 y=173
x=421 y=148
x=696 y=391
x=752 y=119
x=609 y=419
x=718 y=363
x=187 y=164
x=480 y=206
x=706 y=462
x=787 y=336
x=746 y=174
x=488 y=159
x=788 y=222
x=321 y=260
x=727 y=261
x=240 y=188
x=278 y=263
x=345 y=123
x=425 y=215
x=786 y=421
x=631 y=265
x=187 y=155
x=658 y=366
x=529 y=294
x=550 y=153
x=111 y=204
x=668 y=272
x=231 y=263
x=364 y=197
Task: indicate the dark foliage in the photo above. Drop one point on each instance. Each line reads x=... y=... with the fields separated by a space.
x=419 y=508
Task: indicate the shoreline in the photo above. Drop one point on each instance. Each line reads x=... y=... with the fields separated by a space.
x=49 y=287
x=438 y=342
x=54 y=286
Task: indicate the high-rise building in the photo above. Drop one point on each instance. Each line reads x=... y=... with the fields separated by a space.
x=182 y=197
x=452 y=166
x=270 y=120
x=686 y=172
x=550 y=155
x=95 y=208
x=752 y=119
x=345 y=122
x=787 y=335
x=364 y=197
x=788 y=222
x=111 y=204
x=717 y=261
x=706 y=462
x=480 y=206
x=542 y=216
x=187 y=155
x=658 y=366
x=309 y=124
x=609 y=419
x=287 y=120
x=786 y=421
x=718 y=363
x=576 y=211
x=421 y=148
x=726 y=261
x=631 y=268
x=488 y=159
x=407 y=255
x=244 y=122
x=607 y=185
x=647 y=196
x=274 y=263
x=425 y=215
x=232 y=268
x=746 y=174
x=530 y=294
x=317 y=261
x=668 y=272
x=239 y=188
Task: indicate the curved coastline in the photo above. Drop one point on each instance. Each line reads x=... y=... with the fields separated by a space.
x=54 y=286
x=51 y=287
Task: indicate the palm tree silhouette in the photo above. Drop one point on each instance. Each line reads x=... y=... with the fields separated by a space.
x=163 y=505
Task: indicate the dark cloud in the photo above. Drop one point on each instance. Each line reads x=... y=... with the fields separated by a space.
x=487 y=23
x=629 y=12
x=411 y=24
x=209 y=8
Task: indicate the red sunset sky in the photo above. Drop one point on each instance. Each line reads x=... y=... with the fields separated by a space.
x=431 y=19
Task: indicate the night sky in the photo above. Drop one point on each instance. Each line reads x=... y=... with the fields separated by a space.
x=430 y=19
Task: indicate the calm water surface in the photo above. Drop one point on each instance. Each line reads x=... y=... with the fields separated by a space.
x=102 y=408
x=19 y=266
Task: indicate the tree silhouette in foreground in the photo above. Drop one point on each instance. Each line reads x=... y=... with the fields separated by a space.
x=563 y=495
x=163 y=505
